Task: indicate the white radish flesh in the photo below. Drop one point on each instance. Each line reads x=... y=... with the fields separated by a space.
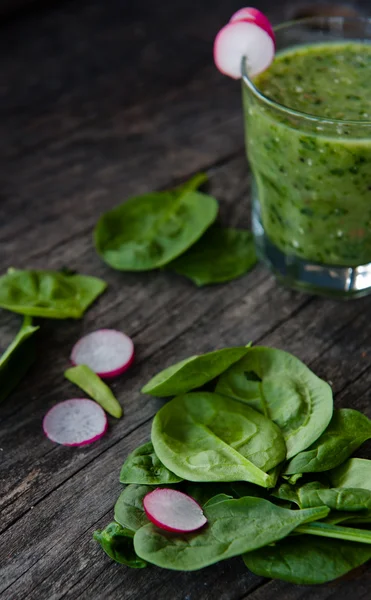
x=254 y=16
x=107 y=352
x=239 y=39
x=174 y=511
x=75 y=422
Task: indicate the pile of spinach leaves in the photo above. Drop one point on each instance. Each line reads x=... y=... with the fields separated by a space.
x=268 y=459
x=174 y=229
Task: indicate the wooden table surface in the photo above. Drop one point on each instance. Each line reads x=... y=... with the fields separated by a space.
x=100 y=101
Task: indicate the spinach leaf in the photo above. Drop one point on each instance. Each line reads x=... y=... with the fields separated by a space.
x=219 y=256
x=348 y=429
x=89 y=382
x=354 y=473
x=17 y=358
x=288 y=492
x=337 y=532
x=144 y=467
x=204 y=492
x=48 y=294
x=284 y=390
x=307 y=561
x=193 y=372
x=147 y=232
x=345 y=499
x=234 y=527
x=207 y=437
x=129 y=511
x=117 y=542
x=217 y=499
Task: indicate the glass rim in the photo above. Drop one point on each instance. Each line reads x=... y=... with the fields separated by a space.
x=291 y=111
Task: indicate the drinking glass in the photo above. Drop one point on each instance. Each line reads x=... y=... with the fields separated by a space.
x=311 y=178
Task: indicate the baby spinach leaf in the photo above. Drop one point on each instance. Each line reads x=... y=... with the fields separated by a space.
x=206 y=437
x=220 y=255
x=203 y=492
x=48 y=294
x=89 y=382
x=337 y=532
x=282 y=388
x=149 y=231
x=144 y=467
x=193 y=372
x=129 y=511
x=354 y=473
x=234 y=527
x=348 y=429
x=216 y=499
x=117 y=542
x=288 y=492
x=307 y=561
x=17 y=358
x=345 y=499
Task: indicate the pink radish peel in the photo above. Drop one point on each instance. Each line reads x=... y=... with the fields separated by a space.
x=254 y=16
x=107 y=352
x=173 y=511
x=75 y=422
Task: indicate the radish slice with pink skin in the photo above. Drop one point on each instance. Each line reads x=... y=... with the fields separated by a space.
x=75 y=422
x=243 y=38
x=107 y=352
x=173 y=510
x=254 y=16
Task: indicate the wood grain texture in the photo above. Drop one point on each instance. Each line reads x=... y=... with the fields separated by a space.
x=94 y=111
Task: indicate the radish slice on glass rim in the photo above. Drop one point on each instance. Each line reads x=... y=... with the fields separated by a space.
x=173 y=510
x=107 y=352
x=243 y=38
x=75 y=422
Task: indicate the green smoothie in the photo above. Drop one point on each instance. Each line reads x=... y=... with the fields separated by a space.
x=313 y=174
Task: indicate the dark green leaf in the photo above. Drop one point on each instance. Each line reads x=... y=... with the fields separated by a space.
x=193 y=372
x=347 y=430
x=17 y=358
x=149 y=231
x=129 y=511
x=207 y=437
x=234 y=527
x=89 y=382
x=285 y=391
x=306 y=560
x=117 y=542
x=48 y=294
x=354 y=473
x=144 y=467
x=219 y=256
x=346 y=499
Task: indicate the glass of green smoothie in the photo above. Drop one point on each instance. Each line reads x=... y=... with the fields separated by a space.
x=308 y=139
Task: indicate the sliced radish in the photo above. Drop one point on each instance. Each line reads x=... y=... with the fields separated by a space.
x=75 y=422
x=107 y=352
x=243 y=38
x=173 y=510
x=254 y=16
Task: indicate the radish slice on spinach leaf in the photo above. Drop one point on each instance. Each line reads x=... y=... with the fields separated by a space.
x=173 y=510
